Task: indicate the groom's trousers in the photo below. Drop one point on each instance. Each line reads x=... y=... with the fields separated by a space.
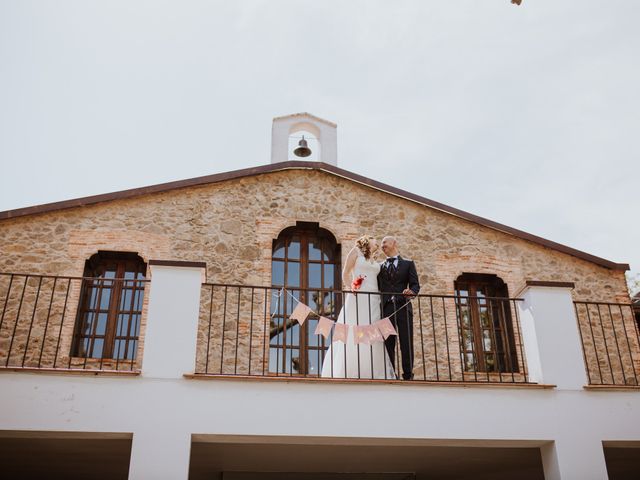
x=403 y=323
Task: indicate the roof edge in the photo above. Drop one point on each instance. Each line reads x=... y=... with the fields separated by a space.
x=307 y=114
x=253 y=171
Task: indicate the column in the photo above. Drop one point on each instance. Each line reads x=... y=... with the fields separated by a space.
x=550 y=335
x=172 y=323
x=574 y=458
x=160 y=455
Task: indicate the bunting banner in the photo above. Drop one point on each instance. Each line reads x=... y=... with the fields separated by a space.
x=377 y=332
x=340 y=332
x=324 y=327
x=375 y=336
x=361 y=334
x=367 y=334
x=300 y=313
x=385 y=327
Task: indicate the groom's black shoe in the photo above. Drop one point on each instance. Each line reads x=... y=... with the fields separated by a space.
x=407 y=377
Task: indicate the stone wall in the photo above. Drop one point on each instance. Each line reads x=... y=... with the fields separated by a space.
x=231 y=225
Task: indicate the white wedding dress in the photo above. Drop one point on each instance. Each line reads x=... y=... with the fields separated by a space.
x=353 y=360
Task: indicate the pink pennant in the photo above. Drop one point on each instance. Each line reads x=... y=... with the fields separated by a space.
x=386 y=327
x=374 y=335
x=324 y=327
x=300 y=313
x=361 y=334
x=340 y=332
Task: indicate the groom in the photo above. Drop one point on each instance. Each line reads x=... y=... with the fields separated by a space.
x=398 y=280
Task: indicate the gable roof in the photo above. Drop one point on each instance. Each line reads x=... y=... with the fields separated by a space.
x=300 y=165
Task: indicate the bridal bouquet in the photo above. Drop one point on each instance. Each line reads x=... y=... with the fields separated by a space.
x=357 y=282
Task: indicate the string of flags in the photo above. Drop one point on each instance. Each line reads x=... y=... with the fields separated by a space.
x=376 y=332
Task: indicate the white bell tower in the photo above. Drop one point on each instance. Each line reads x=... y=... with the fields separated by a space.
x=325 y=132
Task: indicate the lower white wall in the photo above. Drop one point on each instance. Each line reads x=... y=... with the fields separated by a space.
x=237 y=407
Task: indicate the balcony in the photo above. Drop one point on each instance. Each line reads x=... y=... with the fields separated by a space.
x=98 y=325
x=43 y=328
x=610 y=343
x=246 y=331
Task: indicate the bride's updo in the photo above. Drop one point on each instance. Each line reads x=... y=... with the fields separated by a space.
x=363 y=244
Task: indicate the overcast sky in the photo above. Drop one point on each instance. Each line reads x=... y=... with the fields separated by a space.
x=527 y=115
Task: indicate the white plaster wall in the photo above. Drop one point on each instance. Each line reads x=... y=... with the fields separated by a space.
x=115 y=404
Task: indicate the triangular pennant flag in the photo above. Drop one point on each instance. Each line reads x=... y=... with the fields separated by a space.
x=374 y=335
x=300 y=313
x=340 y=332
x=324 y=327
x=386 y=327
x=360 y=334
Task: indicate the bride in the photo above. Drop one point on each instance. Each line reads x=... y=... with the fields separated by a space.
x=353 y=360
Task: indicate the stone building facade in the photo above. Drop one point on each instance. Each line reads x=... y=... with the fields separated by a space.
x=231 y=225
x=230 y=222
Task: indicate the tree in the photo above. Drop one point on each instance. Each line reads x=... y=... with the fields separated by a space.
x=633 y=282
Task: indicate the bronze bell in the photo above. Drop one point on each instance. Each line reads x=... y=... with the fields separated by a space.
x=303 y=150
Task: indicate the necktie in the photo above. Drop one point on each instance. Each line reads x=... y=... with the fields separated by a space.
x=390 y=264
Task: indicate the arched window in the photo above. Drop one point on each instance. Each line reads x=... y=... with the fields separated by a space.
x=306 y=261
x=486 y=329
x=108 y=321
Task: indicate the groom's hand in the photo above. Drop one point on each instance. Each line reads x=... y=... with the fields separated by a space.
x=407 y=292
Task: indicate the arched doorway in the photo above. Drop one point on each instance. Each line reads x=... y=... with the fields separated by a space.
x=306 y=262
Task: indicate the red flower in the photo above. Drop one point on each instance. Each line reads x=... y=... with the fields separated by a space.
x=357 y=283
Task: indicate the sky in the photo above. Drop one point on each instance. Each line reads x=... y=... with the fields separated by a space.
x=527 y=115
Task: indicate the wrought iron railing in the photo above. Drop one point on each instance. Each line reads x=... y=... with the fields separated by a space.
x=247 y=331
x=610 y=341
x=43 y=324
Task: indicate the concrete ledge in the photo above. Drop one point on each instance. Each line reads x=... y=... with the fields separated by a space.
x=75 y=371
x=621 y=443
x=257 y=378
x=612 y=387
x=178 y=263
x=59 y=434
x=363 y=441
x=543 y=283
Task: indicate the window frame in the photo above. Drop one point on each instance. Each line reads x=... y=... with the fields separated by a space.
x=494 y=293
x=306 y=232
x=94 y=284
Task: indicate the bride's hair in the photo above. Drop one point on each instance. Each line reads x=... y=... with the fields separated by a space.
x=363 y=245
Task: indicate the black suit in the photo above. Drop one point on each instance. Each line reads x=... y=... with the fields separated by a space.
x=392 y=282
